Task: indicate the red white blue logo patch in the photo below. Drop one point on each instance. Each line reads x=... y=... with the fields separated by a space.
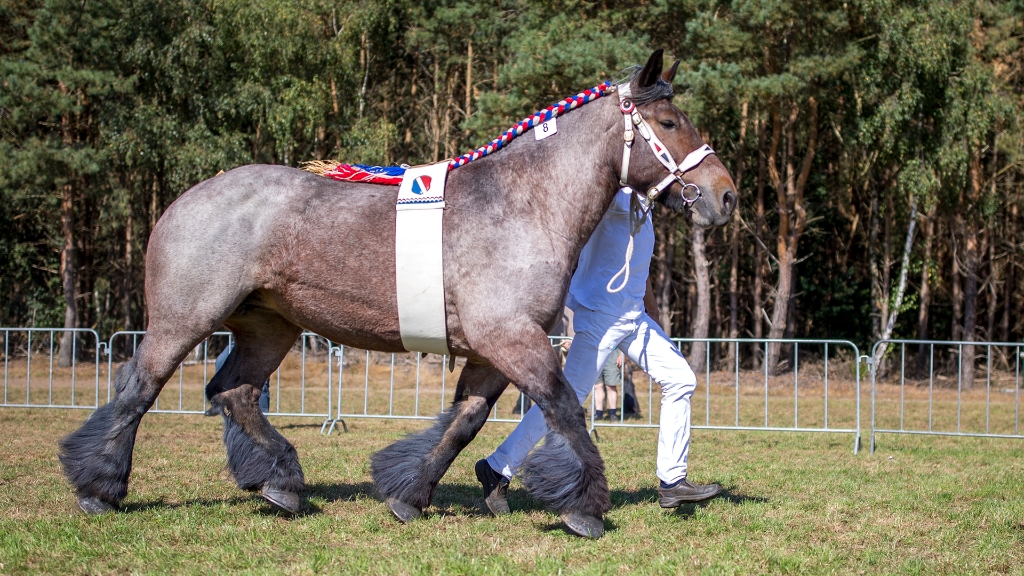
x=421 y=184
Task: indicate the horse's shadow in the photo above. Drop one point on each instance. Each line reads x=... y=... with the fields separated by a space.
x=458 y=499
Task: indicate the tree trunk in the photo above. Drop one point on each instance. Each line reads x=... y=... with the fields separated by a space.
x=734 y=240
x=364 y=63
x=971 y=266
x=435 y=117
x=970 y=305
x=1011 y=264
x=469 y=84
x=994 y=281
x=955 y=281
x=759 y=247
x=873 y=270
x=68 y=260
x=792 y=217
x=925 y=293
x=901 y=287
x=68 y=268
x=699 y=326
x=129 y=240
x=407 y=148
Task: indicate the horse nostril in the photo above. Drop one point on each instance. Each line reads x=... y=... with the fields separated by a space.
x=728 y=201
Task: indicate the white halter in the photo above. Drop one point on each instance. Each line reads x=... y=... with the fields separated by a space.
x=631 y=117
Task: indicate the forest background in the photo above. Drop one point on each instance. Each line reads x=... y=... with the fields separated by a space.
x=877 y=145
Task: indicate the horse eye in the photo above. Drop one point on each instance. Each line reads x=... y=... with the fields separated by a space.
x=667 y=124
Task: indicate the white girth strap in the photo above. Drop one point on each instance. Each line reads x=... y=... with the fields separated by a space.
x=419 y=270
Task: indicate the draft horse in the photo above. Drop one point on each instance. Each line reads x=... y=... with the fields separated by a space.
x=269 y=251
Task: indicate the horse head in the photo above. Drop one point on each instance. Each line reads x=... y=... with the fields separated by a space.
x=675 y=166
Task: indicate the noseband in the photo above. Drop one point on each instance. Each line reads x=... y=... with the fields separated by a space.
x=631 y=117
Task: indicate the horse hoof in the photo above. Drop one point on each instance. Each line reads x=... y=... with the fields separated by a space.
x=94 y=506
x=583 y=525
x=287 y=501
x=404 y=512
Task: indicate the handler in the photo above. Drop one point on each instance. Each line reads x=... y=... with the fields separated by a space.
x=605 y=319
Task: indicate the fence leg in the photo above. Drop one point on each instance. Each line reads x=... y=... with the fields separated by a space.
x=334 y=424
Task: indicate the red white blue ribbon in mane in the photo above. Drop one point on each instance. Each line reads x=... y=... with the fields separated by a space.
x=553 y=111
x=392 y=175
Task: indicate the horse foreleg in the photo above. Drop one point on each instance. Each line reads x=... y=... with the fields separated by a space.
x=566 y=473
x=259 y=457
x=408 y=471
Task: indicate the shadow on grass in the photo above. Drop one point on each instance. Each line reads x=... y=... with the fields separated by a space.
x=449 y=500
x=162 y=504
x=293 y=426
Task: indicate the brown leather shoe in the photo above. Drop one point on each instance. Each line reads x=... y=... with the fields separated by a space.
x=686 y=492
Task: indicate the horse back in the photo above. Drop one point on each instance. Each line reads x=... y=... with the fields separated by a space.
x=320 y=252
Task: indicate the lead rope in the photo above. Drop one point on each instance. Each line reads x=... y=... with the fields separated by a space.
x=637 y=217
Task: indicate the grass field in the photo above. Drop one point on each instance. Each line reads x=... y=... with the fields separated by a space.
x=795 y=504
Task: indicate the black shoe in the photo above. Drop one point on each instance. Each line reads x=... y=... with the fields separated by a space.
x=684 y=491
x=495 y=488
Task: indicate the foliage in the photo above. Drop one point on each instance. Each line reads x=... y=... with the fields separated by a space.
x=125 y=104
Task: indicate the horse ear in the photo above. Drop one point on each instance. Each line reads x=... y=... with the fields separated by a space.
x=652 y=70
x=670 y=74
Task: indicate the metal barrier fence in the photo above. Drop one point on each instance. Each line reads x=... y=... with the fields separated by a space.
x=300 y=387
x=736 y=392
x=407 y=386
x=940 y=392
x=32 y=369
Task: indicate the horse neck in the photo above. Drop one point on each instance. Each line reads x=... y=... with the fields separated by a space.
x=566 y=181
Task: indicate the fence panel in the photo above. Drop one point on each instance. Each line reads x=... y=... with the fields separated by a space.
x=300 y=387
x=33 y=376
x=818 y=389
x=946 y=388
x=407 y=386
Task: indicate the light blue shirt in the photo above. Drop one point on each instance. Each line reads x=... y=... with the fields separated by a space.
x=602 y=258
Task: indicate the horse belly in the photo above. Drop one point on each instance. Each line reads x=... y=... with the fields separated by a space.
x=339 y=279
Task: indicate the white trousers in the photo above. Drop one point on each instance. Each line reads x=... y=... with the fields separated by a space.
x=645 y=343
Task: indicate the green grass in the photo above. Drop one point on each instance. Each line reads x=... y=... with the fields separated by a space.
x=796 y=504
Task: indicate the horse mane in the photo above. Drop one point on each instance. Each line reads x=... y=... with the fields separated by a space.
x=392 y=175
x=658 y=91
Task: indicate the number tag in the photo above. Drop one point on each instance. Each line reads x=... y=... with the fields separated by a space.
x=545 y=129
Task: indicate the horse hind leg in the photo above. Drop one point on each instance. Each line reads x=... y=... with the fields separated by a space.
x=259 y=457
x=407 y=472
x=97 y=458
